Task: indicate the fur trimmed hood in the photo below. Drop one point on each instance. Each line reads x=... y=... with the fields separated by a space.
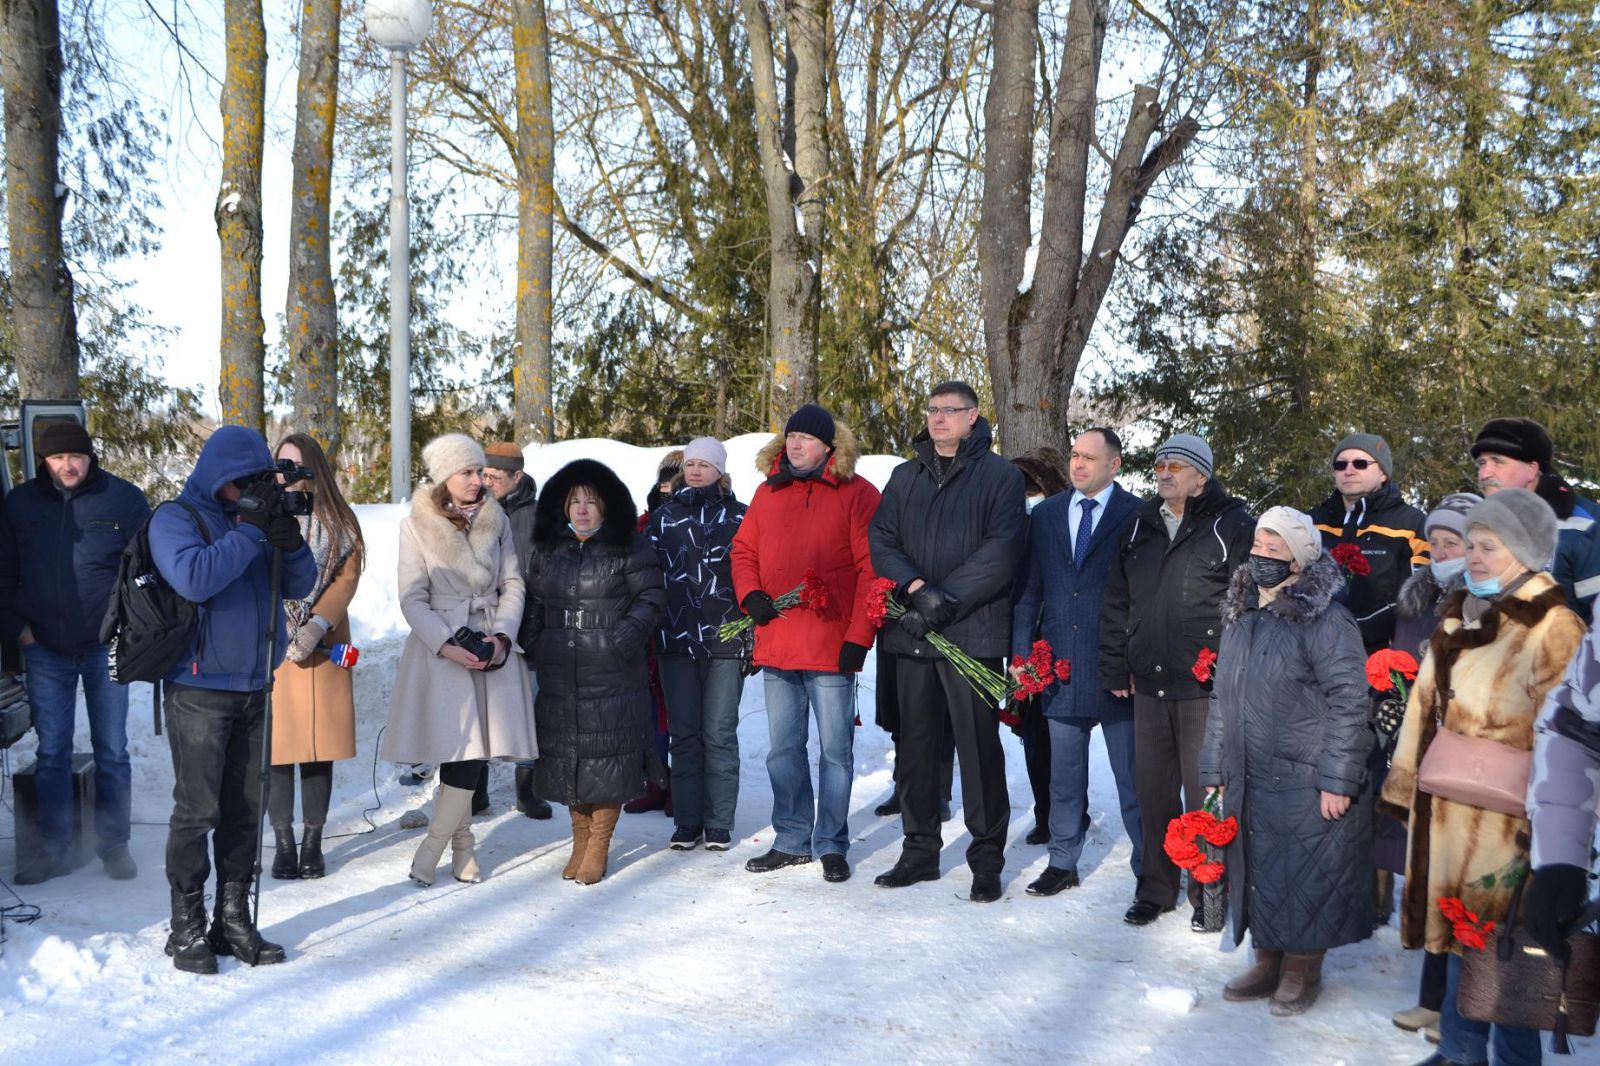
x=1422 y=594
x=621 y=520
x=1302 y=601
x=841 y=464
x=475 y=555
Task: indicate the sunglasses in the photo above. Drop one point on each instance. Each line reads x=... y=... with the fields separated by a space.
x=1170 y=466
x=1359 y=464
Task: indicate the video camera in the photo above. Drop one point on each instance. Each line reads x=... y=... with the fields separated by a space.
x=265 y=492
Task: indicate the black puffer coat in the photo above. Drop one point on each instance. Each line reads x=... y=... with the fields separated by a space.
x=965 y=537
x=692 y=534
x=592 y=606
x=1164 y=597
x=1288 y=722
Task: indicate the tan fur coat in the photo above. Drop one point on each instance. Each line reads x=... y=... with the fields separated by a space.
x=1490 y=680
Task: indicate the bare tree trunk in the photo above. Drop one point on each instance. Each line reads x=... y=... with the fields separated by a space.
x=44 y=322
x=532 y=372
x=793 y=299
x=313 y=320
x=1306 y=195
x=808 y=72
x=238 y=215
x=1035 y=330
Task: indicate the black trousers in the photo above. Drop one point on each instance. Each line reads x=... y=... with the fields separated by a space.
x=1035 y=734
x=316 y=790
x=464 y=774
x=216 y=740
x=929 y=691
x=1167 y=736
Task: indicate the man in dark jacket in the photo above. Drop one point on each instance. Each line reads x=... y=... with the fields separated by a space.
x=1367 y=510
x=216 y=695
x=1073 y=541
x=60 y=546
x=1162 y=609
x=515 y=489
x=949 y=533
x=1517 y=453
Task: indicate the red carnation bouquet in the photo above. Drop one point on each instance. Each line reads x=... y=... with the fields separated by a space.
x=1204 y=667
x=1039 y=671
x=883 y=606
x=812 y=592
x=1388 y=671
x=1184 y=831
x=1351 y=561
x=1465 y=926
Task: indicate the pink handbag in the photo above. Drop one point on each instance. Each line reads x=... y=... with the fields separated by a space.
x=1476 y=771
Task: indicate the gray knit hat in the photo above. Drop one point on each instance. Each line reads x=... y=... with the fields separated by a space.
x=1297 y=531
x=1451 y=513
x=1188 y=448
x=1373 y=445
x=1523 y=521
x=709 y=450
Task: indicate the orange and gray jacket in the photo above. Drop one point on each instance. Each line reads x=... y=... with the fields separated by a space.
x=1389 y=533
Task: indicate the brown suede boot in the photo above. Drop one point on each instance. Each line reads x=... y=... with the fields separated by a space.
x=1259 y=981
x=581 y=816
x=1300 y=985
x=601 y=826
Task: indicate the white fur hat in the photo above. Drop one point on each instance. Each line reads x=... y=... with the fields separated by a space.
x=451 y=454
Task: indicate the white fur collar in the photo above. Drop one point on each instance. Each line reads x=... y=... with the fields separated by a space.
x=475 y=556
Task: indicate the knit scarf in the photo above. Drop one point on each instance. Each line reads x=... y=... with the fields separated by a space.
x=320 y=541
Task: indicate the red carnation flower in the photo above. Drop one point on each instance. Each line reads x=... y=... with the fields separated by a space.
x=1204 y=665
x=1349 y=556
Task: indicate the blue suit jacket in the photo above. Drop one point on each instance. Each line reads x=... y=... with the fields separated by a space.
x=1062 y=604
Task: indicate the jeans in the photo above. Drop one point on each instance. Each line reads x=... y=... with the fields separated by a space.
x=800 y=830
x=1069 y=786
x=1464 y=1040
x=216 y=740
x=703 y=719
x=53 y=695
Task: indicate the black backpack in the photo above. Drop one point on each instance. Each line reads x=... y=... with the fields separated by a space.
x=147 y=626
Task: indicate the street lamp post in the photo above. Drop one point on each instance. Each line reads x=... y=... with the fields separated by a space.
x=399 y=26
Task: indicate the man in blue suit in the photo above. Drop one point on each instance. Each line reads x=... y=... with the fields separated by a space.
x=1073 y=541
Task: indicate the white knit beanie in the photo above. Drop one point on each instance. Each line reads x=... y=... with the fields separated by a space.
x=449 y=455
x=1297 y=531
x=709 y=450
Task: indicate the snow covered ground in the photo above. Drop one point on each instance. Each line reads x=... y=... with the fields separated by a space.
x=674 y=957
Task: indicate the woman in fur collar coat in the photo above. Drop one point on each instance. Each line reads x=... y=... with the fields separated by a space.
x=595 y=595
x=1287 y=743
x=451 y=706
x=1502 y=645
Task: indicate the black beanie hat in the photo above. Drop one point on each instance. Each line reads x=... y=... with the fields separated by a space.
x=64 y=437
x=1522 y=439
x=813 y=420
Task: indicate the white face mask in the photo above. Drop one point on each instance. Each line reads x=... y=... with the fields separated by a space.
x=1031 y=502
x=1446 y=570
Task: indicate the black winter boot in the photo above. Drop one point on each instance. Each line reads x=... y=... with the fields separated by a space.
x=233 y=932
x=527 y=802
x=312 y=864
x=285 y=863
x=187 y=943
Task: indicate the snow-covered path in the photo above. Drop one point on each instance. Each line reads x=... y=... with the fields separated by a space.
x=675 y=957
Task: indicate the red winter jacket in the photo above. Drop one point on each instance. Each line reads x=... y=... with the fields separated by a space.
x=795 y=525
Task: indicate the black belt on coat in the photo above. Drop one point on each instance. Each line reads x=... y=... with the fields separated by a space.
x=580 y=619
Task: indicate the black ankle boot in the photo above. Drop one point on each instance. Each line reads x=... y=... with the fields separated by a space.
x=285 y=862
x=187 y=943
x=311 y=862
x=234 y=933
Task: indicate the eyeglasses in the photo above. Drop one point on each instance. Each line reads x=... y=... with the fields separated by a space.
x=1170 y=466
x=1359 y=464
x=947 y=411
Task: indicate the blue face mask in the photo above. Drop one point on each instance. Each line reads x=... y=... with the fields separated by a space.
x=1444 y=572
x=1488 y=588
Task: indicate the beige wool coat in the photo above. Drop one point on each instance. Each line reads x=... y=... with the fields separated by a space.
x=313 y=701
x=1490 y=681
x=441 y=711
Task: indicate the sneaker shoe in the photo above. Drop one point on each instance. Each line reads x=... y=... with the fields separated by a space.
x=718 y=839
x=685 y=837
x=119 y=864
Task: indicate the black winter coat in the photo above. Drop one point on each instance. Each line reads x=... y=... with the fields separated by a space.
x=592 y=606
x=1388 y=530
x=1289 y=721
x=1164 y=597
x=519 y=506
x=692 y=533
x=965 y=537
x=59 y=556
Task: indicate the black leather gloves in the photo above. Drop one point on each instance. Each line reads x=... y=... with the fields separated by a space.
x=852 y=657
x=1556 y=896
x=914 y=624
x=283 y=533
x=759 y=606
x=934 y=606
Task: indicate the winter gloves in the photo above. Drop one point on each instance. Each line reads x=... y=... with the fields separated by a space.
x=759 y=606
x=306 y=639
x=914 y=624
x=1558 y=893
x=852 y=657
x=283 y=533
x=934 y=605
